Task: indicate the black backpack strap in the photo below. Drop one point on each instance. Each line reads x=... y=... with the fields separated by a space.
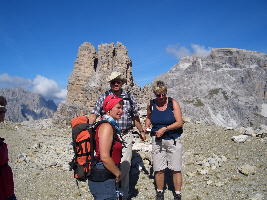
x=151 y=103
x=106 y=93
x=106 y=121
x=170 y=103
x=128 y=98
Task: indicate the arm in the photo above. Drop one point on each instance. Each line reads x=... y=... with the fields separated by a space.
x=178 y=117
x=148 y=117
x=136 y=119
x=92 y=118
x=138 y=125
x=105 y=135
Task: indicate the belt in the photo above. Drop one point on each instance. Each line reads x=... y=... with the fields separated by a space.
x=100 y=174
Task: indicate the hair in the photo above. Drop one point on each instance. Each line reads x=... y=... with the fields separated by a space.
x=159 y=86
x=3 y=101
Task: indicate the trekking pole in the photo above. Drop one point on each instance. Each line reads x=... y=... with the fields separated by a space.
x=80 y=194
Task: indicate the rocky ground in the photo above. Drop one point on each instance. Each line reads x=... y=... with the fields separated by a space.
x=216 y=164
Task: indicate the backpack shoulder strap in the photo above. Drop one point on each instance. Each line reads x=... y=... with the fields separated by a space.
x=128 y=98
x=106 y=93
x=115 y=136
x=151 y=102
x=101 y=122
x=104 y=121
x=170 y=103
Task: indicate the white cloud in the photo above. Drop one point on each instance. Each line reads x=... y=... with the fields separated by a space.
x=200 y=50
x=48 y=88
x=194 y=50
x=178 y=51
x=7 y=81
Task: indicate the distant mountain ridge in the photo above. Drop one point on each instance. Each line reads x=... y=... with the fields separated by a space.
x=24 y=105
x=226 y=88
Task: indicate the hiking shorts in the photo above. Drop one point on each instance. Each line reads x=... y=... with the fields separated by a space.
x=167 y=153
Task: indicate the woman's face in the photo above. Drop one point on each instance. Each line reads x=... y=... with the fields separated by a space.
x=116 y=111
x=161 y=95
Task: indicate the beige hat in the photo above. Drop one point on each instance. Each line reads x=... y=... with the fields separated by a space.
x=116 y=75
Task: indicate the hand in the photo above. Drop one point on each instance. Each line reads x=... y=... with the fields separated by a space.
x=143 y=136
x=118 y=177
x=160 y=132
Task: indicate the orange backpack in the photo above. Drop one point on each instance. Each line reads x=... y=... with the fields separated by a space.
x=83 y=139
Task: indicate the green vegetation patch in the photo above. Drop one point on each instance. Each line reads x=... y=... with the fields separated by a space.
x=196 y=102
x=216 y=91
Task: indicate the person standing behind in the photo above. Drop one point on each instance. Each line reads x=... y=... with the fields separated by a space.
x=6 y=175
x=106 y=174
x=164 y=114
x=130 y=115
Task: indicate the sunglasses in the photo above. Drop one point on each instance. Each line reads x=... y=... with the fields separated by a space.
x=161 y=95
x=116 y=81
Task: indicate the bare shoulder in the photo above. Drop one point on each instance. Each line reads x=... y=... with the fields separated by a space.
x=174 y=102
x=105 y=128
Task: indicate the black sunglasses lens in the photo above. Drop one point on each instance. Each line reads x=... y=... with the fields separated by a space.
x=159 y=95
x=116 y=81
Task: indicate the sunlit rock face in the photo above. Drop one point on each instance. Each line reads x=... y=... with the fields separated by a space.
x=227 y=88
x=88 y=79
x=91 y=69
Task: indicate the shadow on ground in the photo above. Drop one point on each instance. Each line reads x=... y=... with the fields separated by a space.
x=137 y=163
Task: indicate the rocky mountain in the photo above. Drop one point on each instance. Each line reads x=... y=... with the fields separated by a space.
x=226 y=88
x=88 y=79
x=23 y=105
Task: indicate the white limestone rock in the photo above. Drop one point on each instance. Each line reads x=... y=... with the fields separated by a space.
x=247 y=169
x=240 y=138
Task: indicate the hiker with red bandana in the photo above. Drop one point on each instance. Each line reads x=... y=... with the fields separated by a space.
x=106 y=175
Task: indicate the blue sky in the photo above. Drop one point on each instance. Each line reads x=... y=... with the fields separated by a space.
x=39 y=39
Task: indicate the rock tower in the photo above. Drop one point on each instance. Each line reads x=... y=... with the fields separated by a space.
x=88 y=79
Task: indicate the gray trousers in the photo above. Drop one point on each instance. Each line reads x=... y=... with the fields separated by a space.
x=126 y=162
